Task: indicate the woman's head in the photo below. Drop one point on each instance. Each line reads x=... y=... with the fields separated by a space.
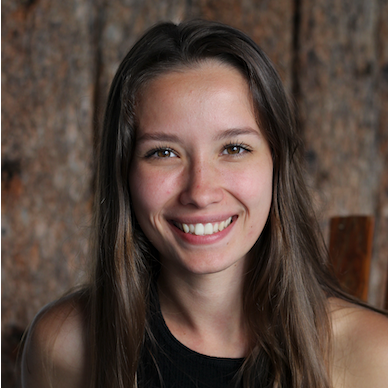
x=201 y=171
x=170 y=48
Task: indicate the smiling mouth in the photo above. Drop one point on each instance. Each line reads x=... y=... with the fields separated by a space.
x=204 y=229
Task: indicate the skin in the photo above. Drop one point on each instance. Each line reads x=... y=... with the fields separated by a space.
x=202 y=172
x=56 y=351
x=360 y=346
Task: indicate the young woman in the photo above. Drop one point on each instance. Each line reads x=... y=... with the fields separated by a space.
x=209 y=267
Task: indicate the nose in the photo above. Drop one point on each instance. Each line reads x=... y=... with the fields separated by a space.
x=202 y=186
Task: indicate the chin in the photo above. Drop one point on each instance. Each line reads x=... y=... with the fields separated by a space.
x=209 y=264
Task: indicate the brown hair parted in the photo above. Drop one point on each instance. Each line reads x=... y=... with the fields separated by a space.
x=288 y=282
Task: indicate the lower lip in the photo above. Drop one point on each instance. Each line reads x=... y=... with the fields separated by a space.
x=203 y=240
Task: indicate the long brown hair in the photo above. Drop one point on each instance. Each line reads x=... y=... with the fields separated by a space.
x=288 y=282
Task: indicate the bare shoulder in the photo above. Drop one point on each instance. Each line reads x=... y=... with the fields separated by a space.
x=360 y=346
x=55 y=351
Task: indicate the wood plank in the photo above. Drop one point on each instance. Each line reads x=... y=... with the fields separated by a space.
x=350 y=249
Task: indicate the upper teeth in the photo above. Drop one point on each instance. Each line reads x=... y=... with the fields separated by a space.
x=204 y=229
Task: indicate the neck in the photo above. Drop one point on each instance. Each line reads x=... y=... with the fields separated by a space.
x=205 y=312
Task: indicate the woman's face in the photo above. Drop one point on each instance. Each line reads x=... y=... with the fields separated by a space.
x=201 y=174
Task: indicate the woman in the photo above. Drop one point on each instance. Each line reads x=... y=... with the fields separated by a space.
x=209 y=267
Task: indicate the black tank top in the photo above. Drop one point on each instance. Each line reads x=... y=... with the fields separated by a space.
x=167 y=363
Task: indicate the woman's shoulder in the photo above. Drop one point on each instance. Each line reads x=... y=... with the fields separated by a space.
x=56 y=346
x=360 y=346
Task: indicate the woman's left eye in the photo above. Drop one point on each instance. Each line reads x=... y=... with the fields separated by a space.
x=234 y=149
x=164 y=153
x=161 y=153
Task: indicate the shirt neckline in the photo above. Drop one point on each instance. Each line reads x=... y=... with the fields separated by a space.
x=185 y=351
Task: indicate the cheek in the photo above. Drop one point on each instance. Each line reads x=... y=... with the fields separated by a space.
x=253 y=186
x=150 y=190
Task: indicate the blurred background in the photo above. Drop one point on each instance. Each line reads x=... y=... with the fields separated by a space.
x=58 y=59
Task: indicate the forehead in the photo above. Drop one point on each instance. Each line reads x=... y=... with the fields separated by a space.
x=204 y=83
x=211 y=102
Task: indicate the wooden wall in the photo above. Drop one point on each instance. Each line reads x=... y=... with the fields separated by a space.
x=58 y=59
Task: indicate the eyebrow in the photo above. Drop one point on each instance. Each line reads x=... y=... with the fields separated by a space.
x=233 y=132
x=237 y=132
x=158 y=136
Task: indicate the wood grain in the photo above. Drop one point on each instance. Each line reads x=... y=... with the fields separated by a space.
x=350 y=249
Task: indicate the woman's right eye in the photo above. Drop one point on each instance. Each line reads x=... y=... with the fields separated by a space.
x=161 y=153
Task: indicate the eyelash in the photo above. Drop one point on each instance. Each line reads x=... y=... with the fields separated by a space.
x=151 y=153
x=241 y=146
